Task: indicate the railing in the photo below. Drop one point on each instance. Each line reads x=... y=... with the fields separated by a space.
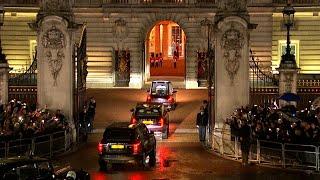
x=20 y=2
x=285 y=155
x=309 y=83
x=112 y=2
x=262 y=96
x=267 y=95
x=260 y=78
x=297 y=2
x=43 y=146
x=27 y=94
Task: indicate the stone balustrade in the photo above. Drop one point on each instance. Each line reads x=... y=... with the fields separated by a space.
x=148 y=2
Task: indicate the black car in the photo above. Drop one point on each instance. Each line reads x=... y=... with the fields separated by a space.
x=124 y=143
x=36 y=168
x=154 y=115
x=25 y=168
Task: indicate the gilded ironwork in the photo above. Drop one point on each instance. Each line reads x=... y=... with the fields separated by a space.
x=122 y=67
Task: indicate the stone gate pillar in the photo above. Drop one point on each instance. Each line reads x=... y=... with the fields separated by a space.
x=288 y=80
x=232 y=59
x=55 y=38
x=4 y=77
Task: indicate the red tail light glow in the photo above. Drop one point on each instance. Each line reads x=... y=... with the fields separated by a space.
x=161 y=122
x=136 y=147
x=133 y=120
x=100 y=148
x=148 y=98
x=170 y=99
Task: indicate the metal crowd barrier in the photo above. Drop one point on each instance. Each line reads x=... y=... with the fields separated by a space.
x=284 y=155
x=43 y=146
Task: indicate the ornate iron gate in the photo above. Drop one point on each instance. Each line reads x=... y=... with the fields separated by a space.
x=23 y=87
x=80 y=74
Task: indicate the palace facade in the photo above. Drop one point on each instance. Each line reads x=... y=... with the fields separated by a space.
x=172 y=28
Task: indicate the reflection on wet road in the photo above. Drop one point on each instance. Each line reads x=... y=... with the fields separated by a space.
x=180 y=157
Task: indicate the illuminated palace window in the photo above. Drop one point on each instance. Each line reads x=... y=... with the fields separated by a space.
x=282 y=45
x=33 y=48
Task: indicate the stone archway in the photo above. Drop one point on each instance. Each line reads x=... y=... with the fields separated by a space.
x=180 y=20
x=165 y=55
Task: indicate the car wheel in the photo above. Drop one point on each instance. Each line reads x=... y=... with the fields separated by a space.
x=146 y=161
x=103 y=166
x=153 y=159
x=108 y=167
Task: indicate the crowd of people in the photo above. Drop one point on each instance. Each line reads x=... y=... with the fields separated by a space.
x=284 y=125
x=19 y=120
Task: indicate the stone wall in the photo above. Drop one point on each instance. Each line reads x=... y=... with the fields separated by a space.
x=16 y=37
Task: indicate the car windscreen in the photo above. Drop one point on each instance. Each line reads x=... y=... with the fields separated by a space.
x=123 y=134
x=147 y=112
x=159 y=89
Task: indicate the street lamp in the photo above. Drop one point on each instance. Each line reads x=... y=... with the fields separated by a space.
x=288 y=59
x=2 y=56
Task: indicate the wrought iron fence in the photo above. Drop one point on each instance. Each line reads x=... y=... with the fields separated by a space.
x=267 y=95
x=24 y=86
x=285 y=155
x=297 y=2
x=43 y=146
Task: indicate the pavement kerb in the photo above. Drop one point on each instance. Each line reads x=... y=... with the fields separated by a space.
x=209 y=150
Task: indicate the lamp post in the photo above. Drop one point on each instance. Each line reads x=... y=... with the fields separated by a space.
x=288 y=59
x=2 y=56
x=288 y=70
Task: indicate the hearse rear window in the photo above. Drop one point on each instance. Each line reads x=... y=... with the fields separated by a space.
x=148 y=112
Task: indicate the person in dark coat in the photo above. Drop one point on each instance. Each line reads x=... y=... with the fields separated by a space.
x=202 y=122
x=245 y=141
x=91 y=112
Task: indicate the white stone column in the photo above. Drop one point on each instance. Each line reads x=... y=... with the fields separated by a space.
x=288 y=80
x=4 y=78
x=231 y=67
x=55 y=75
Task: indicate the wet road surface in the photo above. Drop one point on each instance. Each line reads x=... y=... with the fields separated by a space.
x=179 y=157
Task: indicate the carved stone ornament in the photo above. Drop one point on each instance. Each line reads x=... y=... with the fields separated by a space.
x=232 y=42
x=232 y=5
x=55 y=5
x=53 y=42
x=120 y=30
